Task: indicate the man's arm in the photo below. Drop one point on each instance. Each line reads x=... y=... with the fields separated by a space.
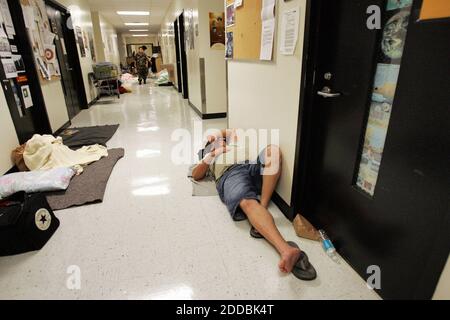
x=200 y=170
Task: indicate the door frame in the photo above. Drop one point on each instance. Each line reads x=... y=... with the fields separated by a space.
x=178 y=56
x=72 y=55
x=183 y=55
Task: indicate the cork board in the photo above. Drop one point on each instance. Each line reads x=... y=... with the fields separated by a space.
x=247 y=30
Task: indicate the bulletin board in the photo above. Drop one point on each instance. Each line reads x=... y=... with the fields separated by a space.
x=247 y=30
x=41 y=39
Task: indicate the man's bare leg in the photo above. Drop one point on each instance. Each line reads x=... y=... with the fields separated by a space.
x=271 y=175
x=263 y=221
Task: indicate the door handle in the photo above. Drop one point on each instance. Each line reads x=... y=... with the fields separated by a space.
x=326 y=93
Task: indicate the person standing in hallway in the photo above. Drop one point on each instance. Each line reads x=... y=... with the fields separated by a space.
x=142 y=64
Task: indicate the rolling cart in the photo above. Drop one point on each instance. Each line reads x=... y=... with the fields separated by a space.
x=106 y=79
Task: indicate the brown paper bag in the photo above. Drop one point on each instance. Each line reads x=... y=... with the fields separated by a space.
x=17 y=158
x=304 y=229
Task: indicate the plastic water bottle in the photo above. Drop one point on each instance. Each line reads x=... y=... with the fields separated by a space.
x=327 y=245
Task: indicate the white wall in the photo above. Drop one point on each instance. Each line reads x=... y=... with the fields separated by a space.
x=265 y=95
x=215 y=64
x=8 y=140
x=110 y=41
x=106 y=39
x=443 y=288
x=193 y=56
x=55 y=103
x=215 y=67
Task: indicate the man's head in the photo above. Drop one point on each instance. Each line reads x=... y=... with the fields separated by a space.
x=142 y=49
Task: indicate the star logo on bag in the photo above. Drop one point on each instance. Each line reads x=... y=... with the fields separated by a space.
x=43 y=219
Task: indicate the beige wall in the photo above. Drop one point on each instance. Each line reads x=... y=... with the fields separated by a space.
x=8 y=140
x=81 y=17
x=110 y=41
x=443 y=288
x=55 y=103
x=193 y=56
x=106 y=39
x=215 y=67
x=215 y=64
x=265 y=95
x=98 y=39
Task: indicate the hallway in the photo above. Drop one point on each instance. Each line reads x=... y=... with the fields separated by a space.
x=150 y=239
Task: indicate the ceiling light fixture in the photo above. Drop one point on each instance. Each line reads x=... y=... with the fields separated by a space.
x=136 y=24
x=133 y=13
x=140 y=35
x=138 y=30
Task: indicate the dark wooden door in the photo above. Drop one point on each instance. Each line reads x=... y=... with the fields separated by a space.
x=57 y=20
x=377 y=173
x=178 y=57
x=183 y=56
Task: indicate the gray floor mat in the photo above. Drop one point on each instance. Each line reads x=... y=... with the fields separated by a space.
x=76 y=138
x=90 y=186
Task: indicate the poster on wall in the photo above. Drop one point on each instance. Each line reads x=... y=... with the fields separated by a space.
x=2 y=31
x=231 y=11
x=229 y=52
x=217 y=30
x=50 y=53
x=80 y=41
x=190 y=29
x=92 y=48
x=7 y=20
x=383 y=95
x=26 y=95
x=5 y=48
x=394 y=36
x=10 y=68
x=18 y=63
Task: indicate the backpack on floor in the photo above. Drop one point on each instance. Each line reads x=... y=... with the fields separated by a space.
x=26 y=223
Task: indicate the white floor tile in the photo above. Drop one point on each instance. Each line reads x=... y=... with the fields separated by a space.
x=150 y=239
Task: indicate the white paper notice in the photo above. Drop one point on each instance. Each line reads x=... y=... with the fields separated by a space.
x=289 y=31
x=268 y=29
x=26 y=94
x=2 y=32
x=267 y=35
x=238 y=3
x=7 y=20
x=10 y=68
x=5 y=48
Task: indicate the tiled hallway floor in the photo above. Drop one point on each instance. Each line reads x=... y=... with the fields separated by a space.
x=150 y=239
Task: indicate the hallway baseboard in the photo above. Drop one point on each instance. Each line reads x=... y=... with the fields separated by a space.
x=207 y=116
x=64 y=127
x=283 y=206
x=90 y=104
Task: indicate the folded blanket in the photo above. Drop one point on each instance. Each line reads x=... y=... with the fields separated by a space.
x=47 y=152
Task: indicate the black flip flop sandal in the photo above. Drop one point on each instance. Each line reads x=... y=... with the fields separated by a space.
x=255 y=234
x=303 y=269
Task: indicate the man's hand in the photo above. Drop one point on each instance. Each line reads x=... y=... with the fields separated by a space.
x=218 y=151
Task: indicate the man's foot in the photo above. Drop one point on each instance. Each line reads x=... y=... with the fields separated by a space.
x=288 y=259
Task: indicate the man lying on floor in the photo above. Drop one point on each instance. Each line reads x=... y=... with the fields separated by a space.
x=240 y=181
